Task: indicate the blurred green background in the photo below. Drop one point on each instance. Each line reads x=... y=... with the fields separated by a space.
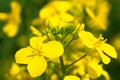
x=30 y=10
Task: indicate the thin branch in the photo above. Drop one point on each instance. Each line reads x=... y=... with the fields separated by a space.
x=62 y=64
x=75 y=61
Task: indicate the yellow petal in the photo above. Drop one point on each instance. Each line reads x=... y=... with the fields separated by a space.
x=15 y=69
x=15 y=14
x=106 y=75
x=46 y=12
x=37 y=66
x=3 y=16
x=23 y=56
x=94 y=70
x=10 y=29
x=35 y=31
x=15 y=7
x=62 y=6
x=81 y=69
x=36 y=42
x=109 y=50
x=87 y=38
x=67 y=17
x=52 y=49
x=71 y=77
x=53 y=21
x=105 y=58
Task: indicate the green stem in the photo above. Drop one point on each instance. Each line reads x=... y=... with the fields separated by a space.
x=75 y=61
x=62 y=64
x=69 y=43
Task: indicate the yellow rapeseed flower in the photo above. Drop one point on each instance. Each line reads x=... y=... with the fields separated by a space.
x=98 y=19
x=53 y=8
x=12 y=18
x=34 y=55
x=55 y=13
x=99 y=44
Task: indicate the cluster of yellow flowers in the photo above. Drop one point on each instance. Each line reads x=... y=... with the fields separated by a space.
x=62 y=27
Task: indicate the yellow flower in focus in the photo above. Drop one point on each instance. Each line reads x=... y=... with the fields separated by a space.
x=71 y=77
x=36 y=64
x=50 y=49
x=99 y=44
x=34 y=55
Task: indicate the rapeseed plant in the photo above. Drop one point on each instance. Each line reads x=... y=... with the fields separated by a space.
x=50 y=47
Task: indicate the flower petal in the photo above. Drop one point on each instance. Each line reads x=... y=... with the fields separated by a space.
x=109 y=50
x=15 y=69
x=36 y=42
x=61 y=6
x=67 y=17
x=104 y=57
x=37 y=66
x=10 y=29
x=94 y=70
x=87 y=38
x=35 y=31
x=22 y=56
x=46 y=12
x=52 y=49
x=71 y=77
x=106 y=75
x=53 y=21
x=3 y=16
